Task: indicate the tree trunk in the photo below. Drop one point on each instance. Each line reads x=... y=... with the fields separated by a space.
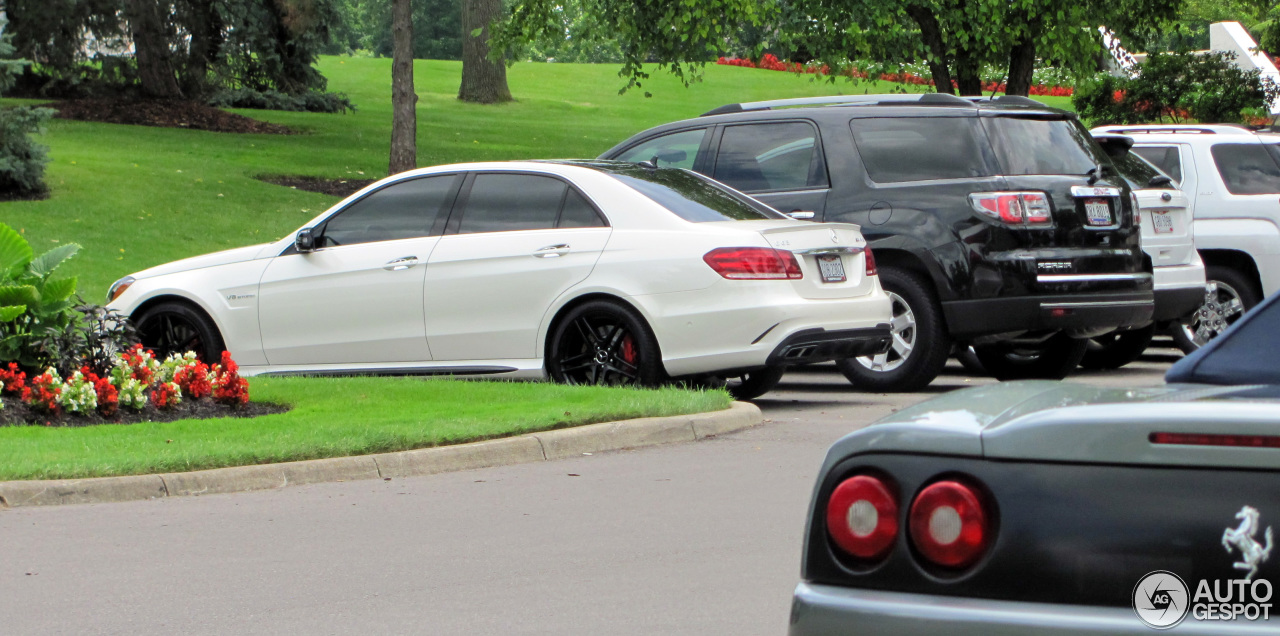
x=932 y=35
x=483 y=80
x=1022 y=61
x=206 y=39
x=968 y=73
x=404 y=101
x=151 y=49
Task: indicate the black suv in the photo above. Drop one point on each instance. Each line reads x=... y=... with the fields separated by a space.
x=998 y=223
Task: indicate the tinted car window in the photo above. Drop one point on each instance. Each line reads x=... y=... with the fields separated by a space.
x=1136 y=171
x=677 y=150
x=896 y=149
x=1165 y=158
x=510 y=202
x=1042 y=146
x=695 y=199
x=406 y=209
x=1247 y=168
x=578 y=212
x=781 y=156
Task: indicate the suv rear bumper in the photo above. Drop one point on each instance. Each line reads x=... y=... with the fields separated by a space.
x=989 y=316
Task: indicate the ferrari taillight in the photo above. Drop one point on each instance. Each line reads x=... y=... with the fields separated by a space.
x=753 y=263
x=862 y=517
x=948 y=524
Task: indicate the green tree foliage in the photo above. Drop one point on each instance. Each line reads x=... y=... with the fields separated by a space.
x=1176 y=87
x=22 y=160
x=956 y=37
x=80 y=46
x=677 y=36
x=365 y=25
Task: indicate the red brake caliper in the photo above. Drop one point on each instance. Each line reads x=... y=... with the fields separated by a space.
x=629 y=350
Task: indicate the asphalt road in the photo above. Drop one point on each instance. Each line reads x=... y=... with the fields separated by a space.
x=700 y=538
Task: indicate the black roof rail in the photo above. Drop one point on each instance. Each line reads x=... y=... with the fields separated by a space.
x=1016 y=100
x=846 y=100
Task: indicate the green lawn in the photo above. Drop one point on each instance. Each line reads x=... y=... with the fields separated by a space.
x=333 y=417
x=135 y=196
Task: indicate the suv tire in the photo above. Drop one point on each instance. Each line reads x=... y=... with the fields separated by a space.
x=1221 y=312
x=921 y=343
x=753 y=384
x=1117 y=348
x=1052 y=359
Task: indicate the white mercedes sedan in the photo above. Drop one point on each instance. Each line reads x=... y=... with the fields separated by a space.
x=585 y=272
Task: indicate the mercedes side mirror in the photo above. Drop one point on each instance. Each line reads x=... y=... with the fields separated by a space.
x=1160 y=181
x=304 y=241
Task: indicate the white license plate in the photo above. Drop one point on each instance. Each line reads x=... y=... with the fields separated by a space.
x=832 y=268
x=1097 y=211
x=1162 y=222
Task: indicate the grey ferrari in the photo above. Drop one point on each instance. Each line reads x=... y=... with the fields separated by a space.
x=1056 y=508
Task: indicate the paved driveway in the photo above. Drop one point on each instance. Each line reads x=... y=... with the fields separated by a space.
x=699 y=538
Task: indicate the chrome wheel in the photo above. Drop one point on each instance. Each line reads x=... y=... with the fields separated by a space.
x=1222 y=307
x=902 y=327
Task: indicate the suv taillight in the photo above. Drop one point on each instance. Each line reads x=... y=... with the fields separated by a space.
x=870 y=260
x=862 y=517
x=753 y=263
x=1024 y=209
x=949 y=525
x=1137 y=213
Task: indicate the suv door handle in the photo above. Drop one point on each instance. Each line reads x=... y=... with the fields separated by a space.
x=398 y=264
x=552 y=251
x=801 y=215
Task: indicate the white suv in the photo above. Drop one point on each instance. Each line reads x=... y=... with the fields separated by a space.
x=1232 y=176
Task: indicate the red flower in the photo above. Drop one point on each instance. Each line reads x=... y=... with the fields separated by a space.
x=14 y=380
x=228 y=387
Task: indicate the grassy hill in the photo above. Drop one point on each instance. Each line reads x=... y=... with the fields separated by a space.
x=136 y=196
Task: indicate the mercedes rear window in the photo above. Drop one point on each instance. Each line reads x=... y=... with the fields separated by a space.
x=1042 y=146
x=693 y=198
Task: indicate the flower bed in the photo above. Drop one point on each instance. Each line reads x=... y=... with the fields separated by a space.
x=772 y=63
x=135 y=388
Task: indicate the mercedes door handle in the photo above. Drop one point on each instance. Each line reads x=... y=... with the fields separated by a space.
x=552 y=251
x=401 y=263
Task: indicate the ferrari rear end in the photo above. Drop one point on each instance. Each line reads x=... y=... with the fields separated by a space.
x=1050 y=509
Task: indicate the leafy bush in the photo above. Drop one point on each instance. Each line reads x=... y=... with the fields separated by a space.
x=41 y=324
x=309 y=101
x=1176 y=87
x=22 y=160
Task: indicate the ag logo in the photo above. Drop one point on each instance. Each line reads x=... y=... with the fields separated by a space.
x=1161 y=600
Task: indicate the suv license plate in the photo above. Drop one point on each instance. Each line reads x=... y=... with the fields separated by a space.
x=832 y=268
x=1162 y=222
x=1097 y=211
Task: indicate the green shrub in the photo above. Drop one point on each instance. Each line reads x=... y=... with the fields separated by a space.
x=1177 y=87
x=22 y=160
x=41 y=322
x=309 y=101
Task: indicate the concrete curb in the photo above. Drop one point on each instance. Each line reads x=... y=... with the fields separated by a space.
x=545 y=446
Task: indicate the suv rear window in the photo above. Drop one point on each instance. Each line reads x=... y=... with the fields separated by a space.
x=1247 y=168
x=897 y=149
x=1135 y=170
x=694 y=198
x=1042 y=146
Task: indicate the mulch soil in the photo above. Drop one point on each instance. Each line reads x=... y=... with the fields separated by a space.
x=17 y=413
x=164 y=113
x=336 y=187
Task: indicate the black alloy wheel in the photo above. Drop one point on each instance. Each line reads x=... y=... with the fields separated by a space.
x=603 y=343
x=1053 y=359
x=174 y=327
x=753 y=384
